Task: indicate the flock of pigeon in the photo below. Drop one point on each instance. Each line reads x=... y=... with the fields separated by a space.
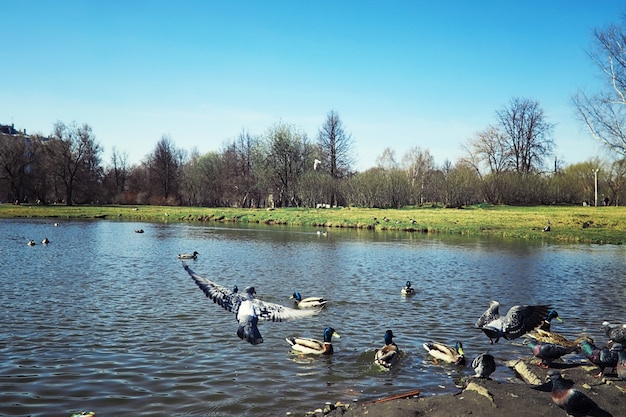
x=532 y=321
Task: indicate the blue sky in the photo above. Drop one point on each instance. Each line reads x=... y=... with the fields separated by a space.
x=400 y=74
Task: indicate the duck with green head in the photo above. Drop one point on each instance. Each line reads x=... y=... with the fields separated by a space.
x=408 y=290
x=446 y=353
x=313 y=346
x=388 y=355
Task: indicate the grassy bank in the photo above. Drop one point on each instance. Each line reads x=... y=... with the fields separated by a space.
x=568 y=224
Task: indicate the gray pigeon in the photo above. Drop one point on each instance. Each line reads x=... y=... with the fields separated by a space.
x=248 y=310
x=519 y=320
x=484 y=365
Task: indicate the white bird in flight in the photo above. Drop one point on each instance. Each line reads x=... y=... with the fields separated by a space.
x=248 y=310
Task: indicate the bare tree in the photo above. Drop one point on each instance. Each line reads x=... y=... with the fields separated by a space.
x=76 y=159
x=387 y=160
x=528 y=134
x=488 y=151
x=617 y=179
x=418 y=165
x=18 y=153
x=164 y=168
x=335 y=151
x=604 y=113
x=240 y=170
x=114 y=182
x=286 y=156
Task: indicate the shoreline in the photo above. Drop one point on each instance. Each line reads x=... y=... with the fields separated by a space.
x=492 y=398
x=567 y=224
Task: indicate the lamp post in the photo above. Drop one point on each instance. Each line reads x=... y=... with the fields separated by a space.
x=595 y=178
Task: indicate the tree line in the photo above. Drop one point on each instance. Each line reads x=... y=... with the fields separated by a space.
x=508 y=162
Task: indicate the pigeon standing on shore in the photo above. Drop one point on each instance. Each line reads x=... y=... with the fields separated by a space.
x=484 y=365
x=573 y=401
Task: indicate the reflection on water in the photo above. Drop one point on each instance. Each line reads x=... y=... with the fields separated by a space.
x=106 y=319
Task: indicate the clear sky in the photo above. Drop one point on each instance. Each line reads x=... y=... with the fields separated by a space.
x=399 y=73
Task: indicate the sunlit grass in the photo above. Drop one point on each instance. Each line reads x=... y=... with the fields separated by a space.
x=568 y=224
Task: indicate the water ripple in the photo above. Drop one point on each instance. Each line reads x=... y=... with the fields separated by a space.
x=105 y=319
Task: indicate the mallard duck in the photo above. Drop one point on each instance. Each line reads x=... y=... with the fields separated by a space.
x=548 y=352
x=555 y=338
x=388 y=355
x=45 y=241
x=449 y=354
x=574 y=402
x=601 y=357
x=552 y=314
x=615 y=332
x=484 y=365
x=519 y=320
x=313 y=346
x=407 y=289
x=309 y=302
x=193 y=255
x=248 y=310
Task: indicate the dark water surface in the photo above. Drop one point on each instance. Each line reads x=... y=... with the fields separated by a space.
x=106 y=319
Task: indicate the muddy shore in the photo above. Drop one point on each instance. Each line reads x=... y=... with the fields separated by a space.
x=491 y=398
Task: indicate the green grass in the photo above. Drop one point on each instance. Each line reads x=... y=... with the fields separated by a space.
x=568 y=224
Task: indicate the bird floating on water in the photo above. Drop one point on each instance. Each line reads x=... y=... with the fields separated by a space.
x=484 y=365
x=309 y=302
x=519 y=320
x=248 y=309
x=388 y=355
x=313 y=346
x=193 y=255
x=407 y=289
x=446 y=353
x=31 y=243
x=45 y=241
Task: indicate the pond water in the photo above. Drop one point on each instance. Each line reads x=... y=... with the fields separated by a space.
x=106 y=319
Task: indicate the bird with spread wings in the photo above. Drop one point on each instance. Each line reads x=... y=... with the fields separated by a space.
x=248 y=309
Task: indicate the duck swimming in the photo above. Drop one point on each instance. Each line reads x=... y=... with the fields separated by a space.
x=519 y=320
x=407 y=289
x=449 y=354
x=248 y=309
x=193 y=255
x=388 y=355
x=309 y=302
x=312 y=346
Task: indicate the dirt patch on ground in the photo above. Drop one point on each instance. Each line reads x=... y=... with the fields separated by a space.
x=489 y=398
